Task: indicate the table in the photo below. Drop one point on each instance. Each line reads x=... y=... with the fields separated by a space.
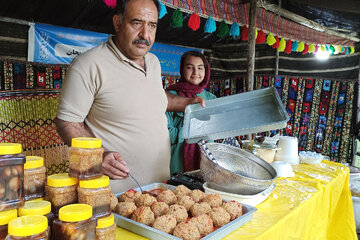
x=314 y=204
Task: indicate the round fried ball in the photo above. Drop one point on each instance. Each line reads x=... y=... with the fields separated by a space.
x=187 y=202
x=125 y=209
x=197 y=195
x=204 y=224
x=129 y=196
x=159 y=208
x=167 y=196
x=214 y=200
x=113 y=201
x=200 y=208
x=179 y=212
x=234 y=208
x=165 y=223
x=181 y=191
x=143 y=215
x=145 y=199
x=219 y=216
x=187 y=231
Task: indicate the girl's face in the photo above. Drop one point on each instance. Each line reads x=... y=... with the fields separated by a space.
x=194 y=70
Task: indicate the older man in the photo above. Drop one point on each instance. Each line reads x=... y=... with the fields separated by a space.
x=114 y=92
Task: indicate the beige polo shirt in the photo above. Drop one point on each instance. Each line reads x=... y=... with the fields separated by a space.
x=124 y=106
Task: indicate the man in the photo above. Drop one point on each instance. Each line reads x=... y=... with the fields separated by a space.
x=114 y=92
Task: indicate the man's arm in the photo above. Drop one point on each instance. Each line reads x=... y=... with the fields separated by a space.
x=178 y=103
x=69 y=130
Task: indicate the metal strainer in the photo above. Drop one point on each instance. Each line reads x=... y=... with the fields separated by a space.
x=235 y=170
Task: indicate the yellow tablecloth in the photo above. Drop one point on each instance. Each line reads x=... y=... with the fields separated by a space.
x=314 y=204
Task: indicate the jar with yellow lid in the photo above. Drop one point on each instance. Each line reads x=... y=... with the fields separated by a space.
x=96 y=192
x=27 y=228
x=38 y=207
x=75 y=222
x=86 y=155
x=106 y=228
x=34 y=177
x=11 y=176
x=5 y=218
x=60 y=190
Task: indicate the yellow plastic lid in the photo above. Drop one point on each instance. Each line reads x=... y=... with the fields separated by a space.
x=33 y=162
x=27 y=225
x=105 y=222
x=75 y=212
x=10 y=148
x=100 y=182
x=61 y=180
x=86 y=142
x=38 y=207
x=7 y=216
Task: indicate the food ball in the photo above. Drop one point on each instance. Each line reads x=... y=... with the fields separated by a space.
x=179 y=212
x=113 y=201
x=204 y=224
x=187 y=231
x=125 y=209
x=181 y=191
x=219 y=216
x=187 y=202
x=145 y=199
x=199 y=209
x=143 y=215
x=129 y=196
x=234 y=208
x=159 y=208
x=165 y=223
x=214 y=200
x=197 y=195
x=167 y=196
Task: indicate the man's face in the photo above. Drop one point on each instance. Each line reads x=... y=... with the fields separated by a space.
x=135 y=34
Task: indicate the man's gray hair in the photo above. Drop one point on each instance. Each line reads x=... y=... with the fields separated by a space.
x=122 y=4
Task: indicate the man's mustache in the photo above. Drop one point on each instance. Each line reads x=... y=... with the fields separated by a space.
x=141 y=41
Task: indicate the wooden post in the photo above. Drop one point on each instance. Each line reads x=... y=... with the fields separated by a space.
x=277 y=53
x=251 y=45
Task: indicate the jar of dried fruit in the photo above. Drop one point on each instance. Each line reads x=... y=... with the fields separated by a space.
x=60 y=191
x=86 y=156
x=34 y=177
x=28 y=227
x=5 y=218
x=74 y=222
x=96 y=192
x=106 y=228
x=11 y=176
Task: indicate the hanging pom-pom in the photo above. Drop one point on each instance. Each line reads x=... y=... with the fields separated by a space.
x=276 y=44
x=223 y=29
x=311 y=48
x=306 y=49
x=162 y=10
x=322 y=48
x=110 y=3
x=282 y=45
x=245 y=33
x=235 y=30
x=343 y=50
x=194 y=22
x=288 y=46
x=337 y=49
x=177 y=19
x=256 y=34
x=294 y=46
x=261 y=37
x=301 y=47
x=210 y=25
x=270 y=40
x=347 y=50
x=332 y=49
x=316 y=49
x=352 y=50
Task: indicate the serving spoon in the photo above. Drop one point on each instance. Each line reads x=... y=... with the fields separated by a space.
x=136 y=182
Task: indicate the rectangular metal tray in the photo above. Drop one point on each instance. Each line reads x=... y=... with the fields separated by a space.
x=250 y=112
x=155 y=234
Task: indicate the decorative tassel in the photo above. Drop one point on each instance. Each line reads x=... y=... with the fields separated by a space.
x=332 y=49
x=162 y=10
x=177 y=19
x=194 y=22
x=352 y=50
x=282 y=45
x=270 y=40
x=110 y=3
x=210 y=25
x=311 y=48
x=294 y=46
x=276 y=44
x=288 y=46
x=337 y=49
x=347 y=50
x=235 y=30
x=306 y=49
x=245 y=33
x=322 y=48
x=316 y=49
x=261 y=37
x=301 y=47
x=256 y=33
x=223 y=29
x=343 y=50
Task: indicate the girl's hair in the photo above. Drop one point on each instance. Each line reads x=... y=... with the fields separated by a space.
x=194 y=54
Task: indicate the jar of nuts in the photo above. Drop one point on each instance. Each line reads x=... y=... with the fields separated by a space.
x=11 y=176
x=96 y=192
x=60 y=191
x=28 y=227
x=34 y=177
x=74 y=222
x=86 y=156
x=5 y=218
x=105 y=228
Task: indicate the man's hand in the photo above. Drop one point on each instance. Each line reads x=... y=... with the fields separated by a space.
x=114 y=166
x=197 y=99
x=178 y=103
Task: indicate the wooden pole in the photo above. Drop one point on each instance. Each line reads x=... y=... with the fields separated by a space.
x=277 y=53
x=251 y=45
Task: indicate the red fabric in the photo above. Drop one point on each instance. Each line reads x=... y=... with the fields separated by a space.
x=288 y=46
x=276 y=44
x=306 y=49
x=110 y=3
x=245 y=34
x=194 y=22
x=261 y=37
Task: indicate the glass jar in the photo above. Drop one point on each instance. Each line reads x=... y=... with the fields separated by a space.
x=60 y=191
x=38 y=207
x=106 y=228
x=5 y=218
x=74 y=222
x=11 y=176
x=28 y=227
x=96 y=192
x=86 y=155
x=34 y=177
